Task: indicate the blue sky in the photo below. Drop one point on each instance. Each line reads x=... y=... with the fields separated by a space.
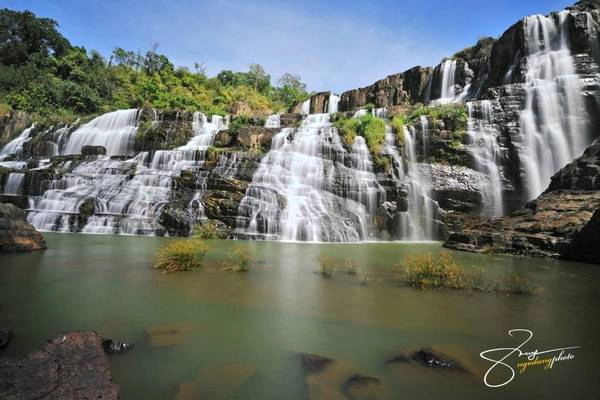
x=333 y=45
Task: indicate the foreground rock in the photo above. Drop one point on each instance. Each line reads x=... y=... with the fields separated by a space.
x=16 y=234
x=564 y=222
x=428 y=358
x=71 y=366
x=327 y=378
x=5 y=336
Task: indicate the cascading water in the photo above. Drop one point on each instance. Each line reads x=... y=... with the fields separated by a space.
x=15 y=146
x=448 y=76
x=273 y=121
x=306 y=107
x=332 y=106
x=126 y=197
x=309 y=188
x=483 y=139
x=14 y=184
x=115 y=131
x=420 y=221
x=553 y=128
x=425 y=134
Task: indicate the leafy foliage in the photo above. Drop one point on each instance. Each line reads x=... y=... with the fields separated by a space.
x=367 y=126
x=40 y=71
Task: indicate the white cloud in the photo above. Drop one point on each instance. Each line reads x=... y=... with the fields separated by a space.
x=330 y=52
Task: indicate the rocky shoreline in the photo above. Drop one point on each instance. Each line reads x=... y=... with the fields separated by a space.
x=16 y=234
x=70 y=366
x=564 y=222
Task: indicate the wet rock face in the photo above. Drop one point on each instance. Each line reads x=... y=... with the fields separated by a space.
x=255 y=136
x=561 y=223
x=16 y=234
x=581 y=174
x=70 y=366
x=394 y=90
x=93 y=150
x=12 y=124
x=163 y=129
x=456 y=188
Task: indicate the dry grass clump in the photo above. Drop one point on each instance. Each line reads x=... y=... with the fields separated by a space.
x=240 y=260
x=180 y=255
x=431 y=271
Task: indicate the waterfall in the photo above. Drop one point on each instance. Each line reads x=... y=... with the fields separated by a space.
x=127 y=196
x=447 y=93
x=592 y=29
x=308 y=188
x=14 y=184
x=425 y=134
x=273 y=122
x=15 y=146
x=115 y=131
x=483 y=138
x=332 y=105
x=420 y=221
x=553 y=128
x=306 y=107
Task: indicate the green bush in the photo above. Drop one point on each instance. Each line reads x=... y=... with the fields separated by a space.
x=373 y=130
x=347 y=128
x=367 y=126
x=180 y=255
x=398 y=122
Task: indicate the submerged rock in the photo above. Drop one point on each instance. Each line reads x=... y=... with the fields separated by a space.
x=111 y=346
x=216 y=383
x=5 y=336
x=314 y=362
x=429 y=359
x=16 y=234
x=70 y=366
x=362 y=387
x=168 y=335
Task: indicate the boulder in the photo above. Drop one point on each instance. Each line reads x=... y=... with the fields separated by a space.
x=70 y=366
x=111 y=346
x=255 y=136
x=93 y=150
x=428 y=358
x=16 y=234
x=5 y=336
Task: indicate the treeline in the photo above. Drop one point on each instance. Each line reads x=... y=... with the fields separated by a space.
x=42 y=72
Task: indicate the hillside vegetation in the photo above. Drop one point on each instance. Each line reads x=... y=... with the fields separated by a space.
x=42 y=72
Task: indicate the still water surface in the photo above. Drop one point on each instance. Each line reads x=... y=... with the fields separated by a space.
x=238 y=332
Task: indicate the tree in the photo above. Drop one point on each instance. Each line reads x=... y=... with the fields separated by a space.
x=23 y=34
x=292 y=81
x=258 y=78
x=291 y=90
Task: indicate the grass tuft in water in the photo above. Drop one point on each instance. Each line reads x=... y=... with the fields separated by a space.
x=180 y=255
x=431 y=271
x=441 y=271
x=326 y=265
x=350 y=266
x=240 y=260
